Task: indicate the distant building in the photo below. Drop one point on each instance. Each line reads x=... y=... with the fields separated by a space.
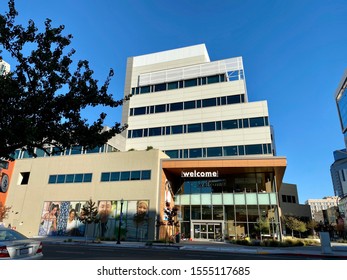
x=338 y=172
x=289 y=203
x=4 y=67
x=318 y=207
x=341 y=103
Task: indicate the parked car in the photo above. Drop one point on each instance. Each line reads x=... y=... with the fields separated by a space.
x=14 y=245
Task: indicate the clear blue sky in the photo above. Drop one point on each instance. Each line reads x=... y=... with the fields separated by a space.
x=294 y=53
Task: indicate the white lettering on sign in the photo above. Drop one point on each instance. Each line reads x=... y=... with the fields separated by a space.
x=199 y=174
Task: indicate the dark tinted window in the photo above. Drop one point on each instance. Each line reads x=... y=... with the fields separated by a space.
x=233 y=99
x=195 y=127
x=209 y=102
x=125 y=176
x=256 y=122
x=189 y=105
x=230 y=151
x=154 y=131
x=230 y=124
x=254 y=149
x=139 y=111
x=159 y=108
x=61 y=179
x=190 y=83
x=78 y=178
x=137 y=133
x=176 y=129
x=135 y=175
x=210 y=126
x=213 y=79
x=172 y=153
x=176 y=106
x=87 y=177
x=115 y=176
x=146 y=175
x=105 y=176
x=69 y=178
x=194 y=153
x=160 y=87
x=214 y=152
x=52 y=179
x=145 y=89
x=172 y=85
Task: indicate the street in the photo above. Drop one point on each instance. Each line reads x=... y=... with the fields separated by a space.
x=84 y=252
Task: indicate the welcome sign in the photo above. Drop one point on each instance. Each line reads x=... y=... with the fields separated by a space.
x=199 y=174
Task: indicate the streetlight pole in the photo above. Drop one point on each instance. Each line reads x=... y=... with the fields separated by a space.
x=120 y=220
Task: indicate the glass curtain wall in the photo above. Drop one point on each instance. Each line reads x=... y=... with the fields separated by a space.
x=234 y=207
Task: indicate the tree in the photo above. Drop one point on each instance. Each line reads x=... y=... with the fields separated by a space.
x=4 y=210
x=89 y=214
x=294 y=224
x=42 y=99
x=312 y=225
x=263 y=225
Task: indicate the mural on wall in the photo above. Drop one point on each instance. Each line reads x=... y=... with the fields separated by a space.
x=62 y=218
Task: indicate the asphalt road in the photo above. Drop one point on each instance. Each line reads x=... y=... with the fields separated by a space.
x=83 y=252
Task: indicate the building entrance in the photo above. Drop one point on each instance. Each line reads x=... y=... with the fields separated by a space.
x=207 y=230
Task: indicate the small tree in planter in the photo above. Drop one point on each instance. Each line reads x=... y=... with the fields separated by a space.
x=4 y=212
x=89 y=215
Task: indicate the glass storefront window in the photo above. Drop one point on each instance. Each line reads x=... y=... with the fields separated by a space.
x=185 y=210
x=241 y=213
x=195 y=199
x=218 y=213
x=253 y=213
x=217 y=199
x=206 y=212
x=196 y=212
x=251 y=198
x=206 y=198
x=239 y=199
x=263 y=199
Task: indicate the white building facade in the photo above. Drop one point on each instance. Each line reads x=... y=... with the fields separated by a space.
x=190 y=107
x=4 y=67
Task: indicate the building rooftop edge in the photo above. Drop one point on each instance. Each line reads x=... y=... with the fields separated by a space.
x=170 y=55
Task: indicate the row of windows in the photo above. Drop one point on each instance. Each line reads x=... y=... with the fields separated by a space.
x=105 y=177
x=198 y=127
x=70 y=178
x=76 y=150
x=288 y=198
x=126 y=176
x=256 y=149
x=219 y=78
x=180 y=84
x=187 y=105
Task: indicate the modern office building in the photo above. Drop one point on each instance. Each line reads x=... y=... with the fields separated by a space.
x=195 y=146
x=191 y=107
x=4 y=67
x=339 y=168
x=341 y=103
x=338 y=171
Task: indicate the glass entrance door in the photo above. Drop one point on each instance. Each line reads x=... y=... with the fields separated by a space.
x=207 y=231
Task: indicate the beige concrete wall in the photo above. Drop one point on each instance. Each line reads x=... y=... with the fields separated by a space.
x=27 y=200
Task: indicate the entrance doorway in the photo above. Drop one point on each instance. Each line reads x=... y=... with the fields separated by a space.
x=207 y=231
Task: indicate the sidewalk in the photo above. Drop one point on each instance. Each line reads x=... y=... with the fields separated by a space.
x=337 y=250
